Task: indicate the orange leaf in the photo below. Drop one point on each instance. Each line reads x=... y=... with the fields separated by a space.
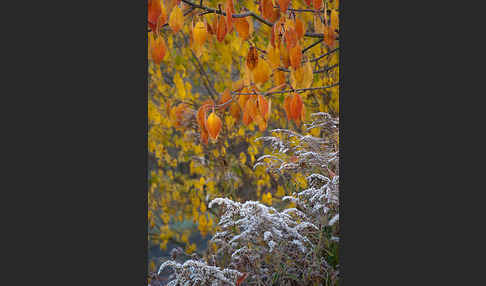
x=251 y=106
x=201 y=118
x=180 y=115
x=242 y=27
x=241 y=279
x=278 y=77
x=261 y=73
x=250 y=111
x=201 y=113
x=252 y=58
x=225 y=97
x=308 y=2
x=296 y=56
x=317 y=4
x=267 y=10
x=204 y=136
x=296 y=107
x=287 y=102
x=273 y=55
x=329 y=36
x=199 y=34
x=283 y=4
x=264 y=106
x=290 y=37
x=246 y=118
x=302 y=77
x=235 y=110
x=158 y=50
x=229 y=15
x=211 y=28
x=163 y=17
x=299 y=28
x=213 y=125
x=221 y=28
x=262 y=124
x=176 y=19
x=242 y=99
x=154 y=11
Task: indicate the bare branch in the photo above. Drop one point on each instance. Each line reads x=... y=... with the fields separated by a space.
x=326 y=54
x=326 y=69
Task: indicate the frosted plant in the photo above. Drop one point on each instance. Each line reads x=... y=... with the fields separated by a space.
x=293 y=151
x=259 y=223
x=197 y=273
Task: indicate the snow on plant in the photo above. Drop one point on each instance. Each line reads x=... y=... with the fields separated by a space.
x=194 y=272
x=259 y=223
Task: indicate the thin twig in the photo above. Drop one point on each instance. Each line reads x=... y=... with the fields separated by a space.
x=326 y=69
x=292 y=90
x=311 y=46
x=209 y=85
x=326 y=54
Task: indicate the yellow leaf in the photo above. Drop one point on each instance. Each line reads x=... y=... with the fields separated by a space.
x=179 y=83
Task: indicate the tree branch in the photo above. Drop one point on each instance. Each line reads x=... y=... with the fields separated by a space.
x=326 y=54
x=216 y=11
x=292 y=90
x=311 y=46
x=326 y=69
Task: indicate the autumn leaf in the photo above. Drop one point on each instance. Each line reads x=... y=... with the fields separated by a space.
x=262 y=123
x=221 y=28
x=278 y=77
x=242 y=99
x=213 y=125
x=176 y=19
x=286 y=106
x=252 y=58
x=299 y=28
x=180 y=115
x=295 y=54
x=267 y=10
x=261 y=73
x=284 y=5
x=242 y=27
x=296 y=107
x=241 y=279
x=264 y=106
x=154 y=11
x=235 y=110
x=290 y=37
x=250 y=111
x=334 y=19
x=302 y=77
x=273 y=55
x=251 y=107
x=317 y=4
x=158 y=49
x=329 y=36
x=229 y=15
x=179 y=84
x=225 y=97
x=285 y=57
x=199 y=33
x=318 y=25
